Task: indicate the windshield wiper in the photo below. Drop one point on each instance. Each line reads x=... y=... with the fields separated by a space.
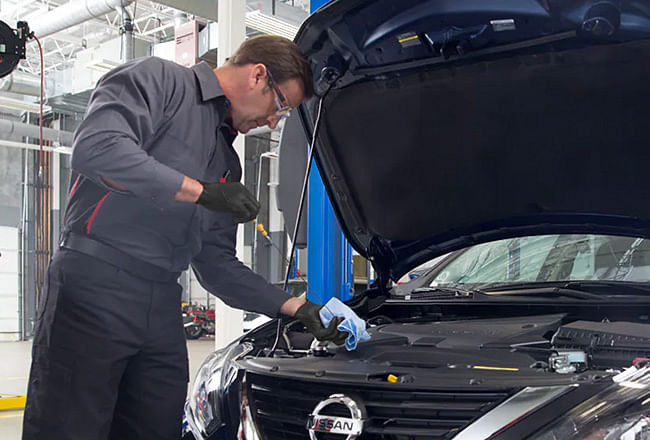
x=440 y=292
x=575 y=289
x=582 y=290
x=610 y=287
x=536 y=290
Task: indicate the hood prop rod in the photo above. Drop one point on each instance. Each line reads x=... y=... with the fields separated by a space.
x=301 y=203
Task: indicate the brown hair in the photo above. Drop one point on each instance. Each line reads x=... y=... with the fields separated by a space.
x=280 y=55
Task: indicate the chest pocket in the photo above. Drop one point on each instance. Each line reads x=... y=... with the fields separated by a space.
x=184 y=141
x=190 y=157
x=223 y=160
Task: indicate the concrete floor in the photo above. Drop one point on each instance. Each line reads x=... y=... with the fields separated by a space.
x=15 y=358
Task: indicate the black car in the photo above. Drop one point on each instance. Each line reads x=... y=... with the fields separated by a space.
x=515 y=134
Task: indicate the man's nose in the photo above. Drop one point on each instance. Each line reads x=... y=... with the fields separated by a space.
x=273 y=122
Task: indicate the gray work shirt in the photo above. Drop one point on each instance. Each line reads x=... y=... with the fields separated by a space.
x=150 y=122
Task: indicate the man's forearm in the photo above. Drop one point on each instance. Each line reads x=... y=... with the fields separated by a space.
x=190 y=191
x=291 y=305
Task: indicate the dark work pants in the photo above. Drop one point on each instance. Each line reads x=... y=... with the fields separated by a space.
x=109 y=359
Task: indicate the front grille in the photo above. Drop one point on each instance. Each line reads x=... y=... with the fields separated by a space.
x=281 y=408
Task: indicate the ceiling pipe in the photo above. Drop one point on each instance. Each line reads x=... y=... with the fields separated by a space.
x=11 y=129
x=126 y=33
x=72 y=14
x=21 y=83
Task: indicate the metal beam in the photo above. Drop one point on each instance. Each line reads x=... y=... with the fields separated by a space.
x=159 y=28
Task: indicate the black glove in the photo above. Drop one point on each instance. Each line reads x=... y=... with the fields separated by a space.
x=308 y=315
x=232 y=197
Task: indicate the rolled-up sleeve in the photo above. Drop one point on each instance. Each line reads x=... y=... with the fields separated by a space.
x=124 y=111
x=222 y=274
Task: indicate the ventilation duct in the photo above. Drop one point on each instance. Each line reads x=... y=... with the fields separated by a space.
x=11 y=129
x=72 y=14
x=21 y=83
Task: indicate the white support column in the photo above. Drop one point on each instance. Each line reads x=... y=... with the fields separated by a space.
x=56 y=198
x=232 y=31
x=276 y=221
x=56 y=194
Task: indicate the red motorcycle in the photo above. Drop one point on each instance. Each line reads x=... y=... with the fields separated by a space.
x=198 y=321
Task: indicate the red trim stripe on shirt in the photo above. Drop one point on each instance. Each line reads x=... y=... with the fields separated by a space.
x=94 y=214
x=74 y=185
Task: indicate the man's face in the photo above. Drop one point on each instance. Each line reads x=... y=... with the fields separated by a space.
x=259 y=105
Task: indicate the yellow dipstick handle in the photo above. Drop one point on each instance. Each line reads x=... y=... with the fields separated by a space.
x=260 y=227
x=392 y=378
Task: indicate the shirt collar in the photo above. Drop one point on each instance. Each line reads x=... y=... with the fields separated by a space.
x=208 y=82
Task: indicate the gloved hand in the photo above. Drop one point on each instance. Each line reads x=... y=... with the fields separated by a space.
x=354 y=326
x=308 y=314
x=232 y=197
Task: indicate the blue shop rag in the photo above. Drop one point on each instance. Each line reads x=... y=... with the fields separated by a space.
x=355 y=326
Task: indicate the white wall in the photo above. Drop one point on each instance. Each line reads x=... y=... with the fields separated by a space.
x=166 y=50
x=85 y=78
x=9 y=264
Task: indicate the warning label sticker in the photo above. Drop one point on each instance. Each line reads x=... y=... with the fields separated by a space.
x=408 y=39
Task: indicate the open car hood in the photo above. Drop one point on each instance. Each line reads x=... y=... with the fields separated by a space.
x=449 y=123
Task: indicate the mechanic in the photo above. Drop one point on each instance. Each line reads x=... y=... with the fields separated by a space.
x=155 y=187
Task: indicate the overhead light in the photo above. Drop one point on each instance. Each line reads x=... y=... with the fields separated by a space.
x=17 y=104
x=269 y=24
x=102 y=65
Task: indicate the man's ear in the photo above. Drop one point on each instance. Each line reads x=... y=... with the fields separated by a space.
x=258 y=75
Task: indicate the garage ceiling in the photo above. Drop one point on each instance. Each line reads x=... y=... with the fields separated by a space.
x=154 y=22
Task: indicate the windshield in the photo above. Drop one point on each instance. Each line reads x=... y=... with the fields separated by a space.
x=548 y=258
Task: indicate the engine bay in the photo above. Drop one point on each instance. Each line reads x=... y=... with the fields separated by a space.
x=555 y=343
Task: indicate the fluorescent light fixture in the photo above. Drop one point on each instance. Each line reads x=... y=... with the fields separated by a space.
x=102 y=65
x=11 y=144
x=17 y=104
x=271 y=25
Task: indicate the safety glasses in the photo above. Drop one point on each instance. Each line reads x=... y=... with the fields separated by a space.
x=283 y=111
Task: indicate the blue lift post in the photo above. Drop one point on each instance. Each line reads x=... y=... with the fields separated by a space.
x=329 y=255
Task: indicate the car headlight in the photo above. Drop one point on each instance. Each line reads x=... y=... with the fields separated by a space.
x=206 y=409
x=620 y=412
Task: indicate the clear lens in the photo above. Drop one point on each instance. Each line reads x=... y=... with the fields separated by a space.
x=282 y=112
x=203 y=409
x=629 y=428
x=621 y=412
